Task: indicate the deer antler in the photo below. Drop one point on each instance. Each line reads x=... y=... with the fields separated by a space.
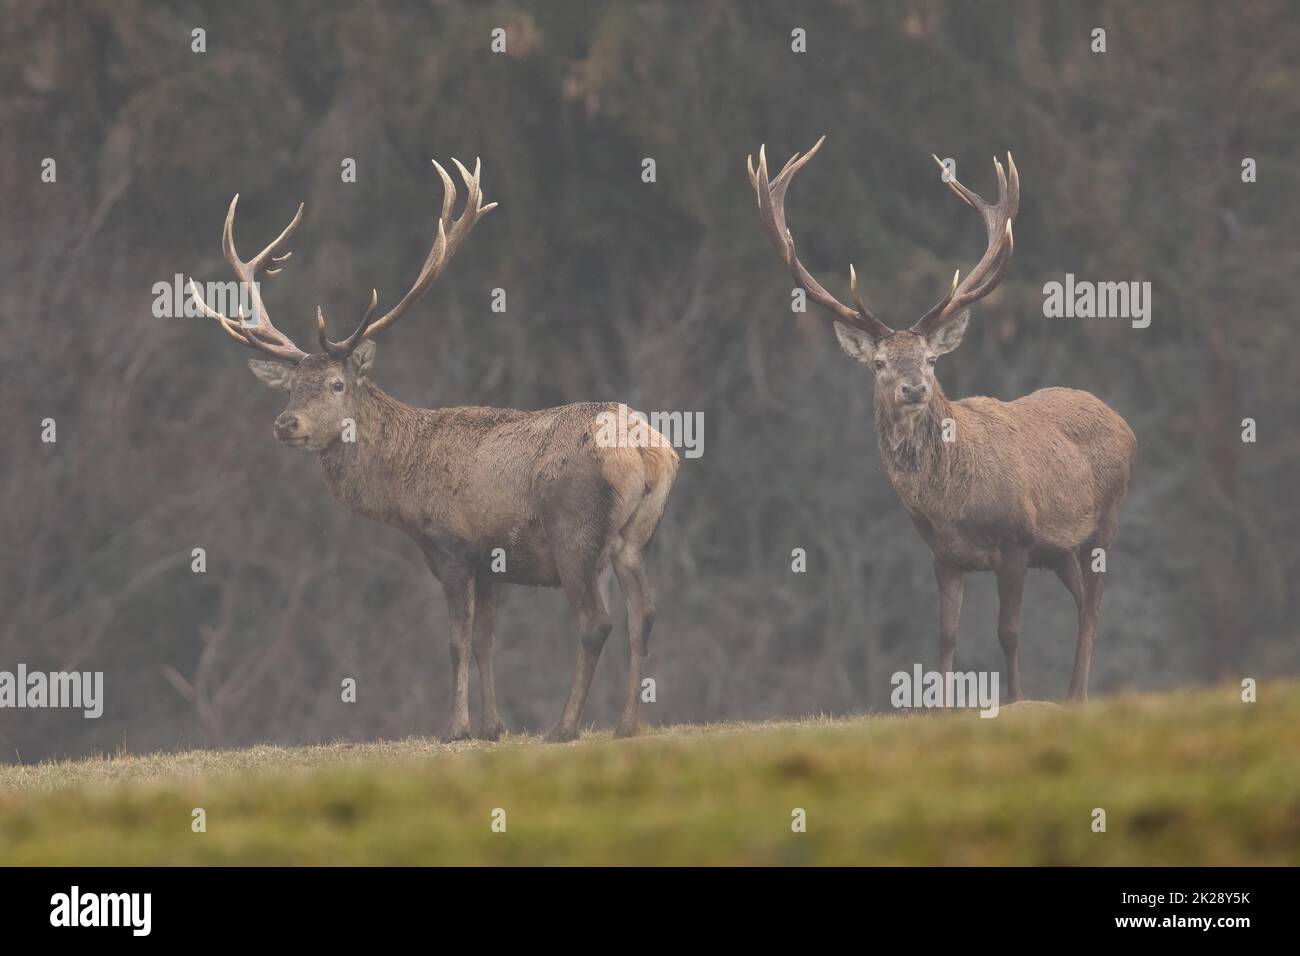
x=261 y=334
x=771 y=210
x=988 y=272
x=451 y=233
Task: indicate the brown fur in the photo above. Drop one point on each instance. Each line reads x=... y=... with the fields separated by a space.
x=1036 y=482
x=465 y=481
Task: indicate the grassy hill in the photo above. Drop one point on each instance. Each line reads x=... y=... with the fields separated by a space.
x=1187 y=778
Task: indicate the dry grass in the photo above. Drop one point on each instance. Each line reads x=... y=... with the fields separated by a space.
x=1187 y=778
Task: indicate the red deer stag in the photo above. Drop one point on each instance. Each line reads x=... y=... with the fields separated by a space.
x=1036 y=482
x=464 y=482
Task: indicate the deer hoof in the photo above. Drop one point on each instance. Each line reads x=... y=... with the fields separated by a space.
x=491 y=731
x=562 y=735
x=627 y=730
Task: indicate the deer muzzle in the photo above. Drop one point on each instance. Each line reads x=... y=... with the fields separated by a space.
x=909 y=393
x=288 y=429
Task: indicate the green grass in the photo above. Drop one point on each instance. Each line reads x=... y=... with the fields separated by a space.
x=1185 y=778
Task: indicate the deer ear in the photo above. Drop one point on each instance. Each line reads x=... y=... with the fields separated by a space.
x=949 y=335
x=363 y=357
x=856 y=344
x=275 y=374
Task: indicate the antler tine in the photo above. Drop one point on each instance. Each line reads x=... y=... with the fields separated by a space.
x=261 y=334
x=942 y=303
x=993 y=265
x=344 y=349
x=277 y=260
x=771 y=209
x=998 y=268
x=230 y=328
x=853 y=291
x=244 y=334
x=448 y=195
x=255 y=264
x=451 y=233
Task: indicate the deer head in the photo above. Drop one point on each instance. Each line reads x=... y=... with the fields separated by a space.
x=323 y=387
x=903 y=360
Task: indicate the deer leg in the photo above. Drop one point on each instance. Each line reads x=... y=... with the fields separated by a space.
x=632 y=579
x=950 y=591
x=1011 y=589
x=1067 y=569
x=491 y=726
x=458 y=586
x=593 y=628
x=1089 y=614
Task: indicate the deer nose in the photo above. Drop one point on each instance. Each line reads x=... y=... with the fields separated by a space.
x=911 y=394
x=286 y=424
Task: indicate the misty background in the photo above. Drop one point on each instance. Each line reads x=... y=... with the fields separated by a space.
x=664 y=295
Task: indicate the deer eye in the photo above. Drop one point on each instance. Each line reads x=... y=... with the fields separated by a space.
x=879 y=364
x=337 y=386
x=931 y=359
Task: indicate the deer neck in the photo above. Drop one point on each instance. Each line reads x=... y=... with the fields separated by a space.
x=370 y=474
x=920 y=464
